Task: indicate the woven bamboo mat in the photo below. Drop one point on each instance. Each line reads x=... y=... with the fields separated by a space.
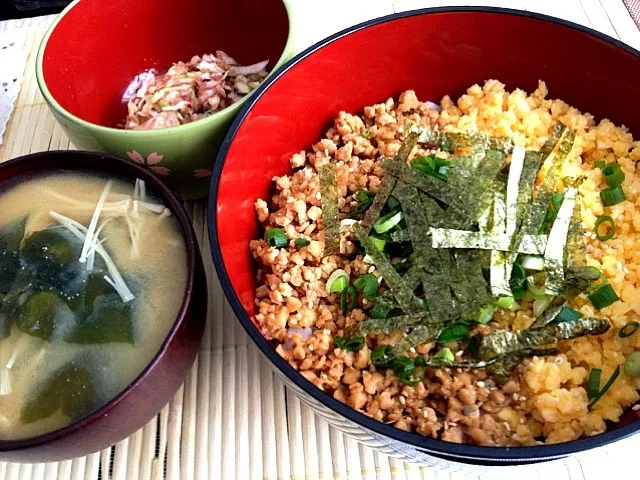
x=233 y=419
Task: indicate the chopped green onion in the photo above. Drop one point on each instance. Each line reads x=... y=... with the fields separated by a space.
x=386 y=223
x=453 y=333
x=603 y=279
x=593 y=386
x=613 y=174
x=632 y=365
x=381 y=356
x=567 y=314
x=629 y=329
x=348 y=299
x=604 y=296
x=365 y=199
x=302 y=242
x=604 y=390
x=600 y=164
x=276 y=237
x=379 y=243
x=505 y=302
x=611 y=228
x=432 y=166
x=368 y=285
x=337 y=282
x=486 y=313
x=533 y=262
x=402 y=366
x=540 y=305
x=443 y=358
x=349 y=344
x=612 y=196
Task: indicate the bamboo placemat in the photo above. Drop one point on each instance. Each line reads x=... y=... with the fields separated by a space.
x=233 y=419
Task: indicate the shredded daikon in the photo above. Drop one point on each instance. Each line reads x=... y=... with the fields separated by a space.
x=81 y=232
x=5 y=382
x=89 y=239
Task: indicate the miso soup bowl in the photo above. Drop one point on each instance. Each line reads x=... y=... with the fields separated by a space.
x=162 y=377
x=94 y=49
x=435 y=52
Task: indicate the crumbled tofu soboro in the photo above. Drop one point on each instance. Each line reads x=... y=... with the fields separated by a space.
x=545 y=400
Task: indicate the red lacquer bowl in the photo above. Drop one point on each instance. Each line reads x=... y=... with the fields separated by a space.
x=435 y=52
x=159 y=381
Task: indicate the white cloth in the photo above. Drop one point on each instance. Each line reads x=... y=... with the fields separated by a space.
x=12 y=64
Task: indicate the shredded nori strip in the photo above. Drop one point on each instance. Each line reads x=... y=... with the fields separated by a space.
x=417 y=226
x=538 y=210
x=453 y=238
x=556 y=243
x=436 y=188
x=469 y=262
x=412 y=279
x=501 y=370
x=439 y=297
x=504 y=343
x=330 y=211
x=379 y=201
x=407 y=146
x=404 y=295
x=418 y=336
x=532 y=162
x=389 y=182
x=400 y=236
x=450 y=140
x=578 y=277
x=474 y=180
x=398 y=322
x=436 y=215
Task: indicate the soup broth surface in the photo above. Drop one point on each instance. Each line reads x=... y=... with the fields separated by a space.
x=65 y=352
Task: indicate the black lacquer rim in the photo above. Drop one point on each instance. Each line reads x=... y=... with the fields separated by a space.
x=466 y=453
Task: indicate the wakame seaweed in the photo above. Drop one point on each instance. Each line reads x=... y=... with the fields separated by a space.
x=70 y=389
x=503 y=343
x=330 y=211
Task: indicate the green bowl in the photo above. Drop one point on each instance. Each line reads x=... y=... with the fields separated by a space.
x=94 y=49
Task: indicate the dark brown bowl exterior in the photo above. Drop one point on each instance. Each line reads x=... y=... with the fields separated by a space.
x=155 y=386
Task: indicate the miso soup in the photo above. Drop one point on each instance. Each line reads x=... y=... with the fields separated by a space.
x=93 y=272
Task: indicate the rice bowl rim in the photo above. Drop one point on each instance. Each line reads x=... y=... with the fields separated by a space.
x=476 y=454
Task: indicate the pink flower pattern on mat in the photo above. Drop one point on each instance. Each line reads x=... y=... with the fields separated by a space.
x=202 y=172
x=151 y=161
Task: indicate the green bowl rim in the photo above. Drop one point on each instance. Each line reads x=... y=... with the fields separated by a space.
x=141 y=134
